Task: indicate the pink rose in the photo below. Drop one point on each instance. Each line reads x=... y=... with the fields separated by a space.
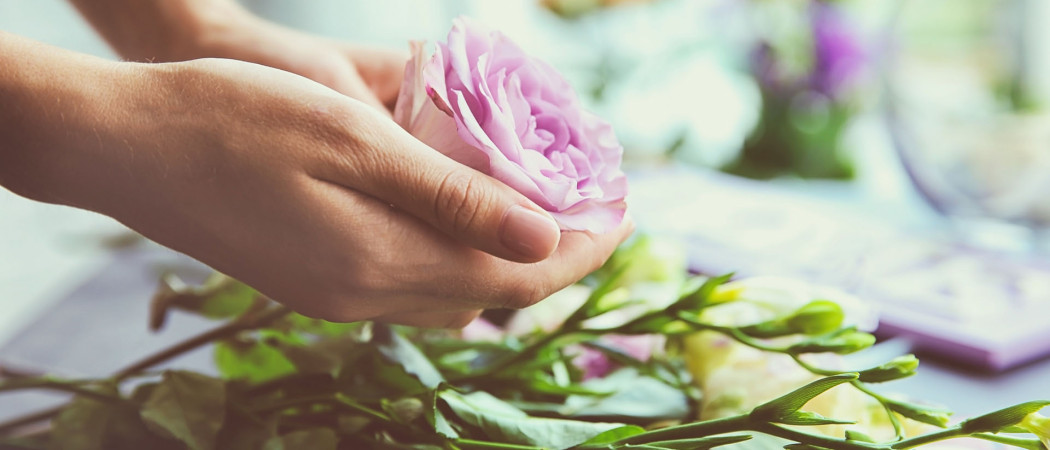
x=483 y=102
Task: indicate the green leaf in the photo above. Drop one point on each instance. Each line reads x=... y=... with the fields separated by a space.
x=220 y=297
x=700 y=298
x=925 y=414
x=843 y=343
x=895 y=369
x=241 y=431
x=88 y=424
x=404 y=410
x=312 y=439
x=782 y=407
x=633 y=395
x=318 y=327
x=997 y=420
x=595 y=304
x=806 y=418
x=643 y=259
x=189 y=407
x=854 y=435
x=1027 y=444
x=816 y=317
x=435 y=417
x=398 y=350
x=701 y=443
x=82 y=425
x=502 y=422
x=615 y=434
x=254 y=361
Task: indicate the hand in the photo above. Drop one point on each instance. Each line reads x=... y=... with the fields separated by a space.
x=313 y=198
x=369 y=74
x=181 y=30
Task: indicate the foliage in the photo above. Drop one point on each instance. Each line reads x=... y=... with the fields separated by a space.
x=288 y=381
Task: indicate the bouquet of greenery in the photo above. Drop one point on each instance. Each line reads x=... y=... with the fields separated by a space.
x=646 y=360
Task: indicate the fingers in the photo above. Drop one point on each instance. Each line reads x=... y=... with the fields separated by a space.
x=579 y=254
x=381 y=69
x=350 y=83
x=395 y=268
x=465 y=204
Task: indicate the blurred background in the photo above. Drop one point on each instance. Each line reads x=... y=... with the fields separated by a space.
x=897 y=149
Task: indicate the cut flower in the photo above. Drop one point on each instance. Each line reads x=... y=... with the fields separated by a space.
x=482 y=101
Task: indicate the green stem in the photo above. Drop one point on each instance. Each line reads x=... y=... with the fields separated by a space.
x=357 y=406
x=524 y=354
x=935 y=436
x=10 y=372
x=813 y=369
x=732 y=332
x=250 y=321
x=470 y=443
x=24 y=421
x=72 y=387
x=813 y=439
x=686 y=431
x=1029 y=444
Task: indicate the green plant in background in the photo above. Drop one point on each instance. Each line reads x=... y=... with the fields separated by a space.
x=805 y=75
x=286 y=381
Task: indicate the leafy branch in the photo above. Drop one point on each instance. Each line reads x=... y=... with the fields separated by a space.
x=293 y=382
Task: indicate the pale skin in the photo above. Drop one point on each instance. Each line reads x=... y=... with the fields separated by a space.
x=278 y=166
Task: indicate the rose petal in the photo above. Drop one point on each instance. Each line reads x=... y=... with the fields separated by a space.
x=491 y=106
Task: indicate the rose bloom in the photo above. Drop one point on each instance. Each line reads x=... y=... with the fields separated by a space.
x=483 y=102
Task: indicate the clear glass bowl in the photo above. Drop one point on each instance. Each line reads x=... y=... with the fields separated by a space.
x=967 y=90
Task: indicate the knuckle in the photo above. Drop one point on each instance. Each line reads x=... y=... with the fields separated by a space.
x=459 y=200
x=460 y=320
x=523 y=295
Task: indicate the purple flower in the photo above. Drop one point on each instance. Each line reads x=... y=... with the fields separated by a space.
x=483 y=102
x=596 y=364
x=837 y=54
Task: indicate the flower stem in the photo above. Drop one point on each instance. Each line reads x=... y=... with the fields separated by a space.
x=471 y=444
x=71 y=387
x=9 y=372
x=29 y=419
x=818 y=440
x=1030 y=444
x=249 y=321
x=524 y=354
x=935 y=436
x=687 y=431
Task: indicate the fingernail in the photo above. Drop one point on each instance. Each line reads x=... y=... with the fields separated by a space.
x=529 y=233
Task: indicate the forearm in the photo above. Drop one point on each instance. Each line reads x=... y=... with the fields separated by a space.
x=161 y=30
x=58 y=108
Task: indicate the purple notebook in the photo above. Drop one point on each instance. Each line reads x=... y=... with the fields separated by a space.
x=977 y=307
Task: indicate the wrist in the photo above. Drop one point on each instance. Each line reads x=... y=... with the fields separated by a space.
x=163 y=30
x=204 y=28
x=60 y=120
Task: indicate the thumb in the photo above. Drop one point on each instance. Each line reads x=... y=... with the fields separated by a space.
x=471 y=207
x=482 y=212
